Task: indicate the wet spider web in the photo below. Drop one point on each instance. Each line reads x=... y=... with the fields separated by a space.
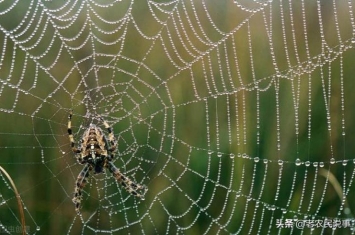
x=236 y=115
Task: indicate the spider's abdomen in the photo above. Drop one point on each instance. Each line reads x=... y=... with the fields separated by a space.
x=94 y=147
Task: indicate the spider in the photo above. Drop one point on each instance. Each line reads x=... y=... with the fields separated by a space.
x=96 y=153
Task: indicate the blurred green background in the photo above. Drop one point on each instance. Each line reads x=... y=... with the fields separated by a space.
x=212 y=103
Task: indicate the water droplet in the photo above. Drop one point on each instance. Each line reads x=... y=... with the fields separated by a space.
x=38 y=228
x=280 y=162
x=256 y=159
x=332 y=161
x=231 y=155
x=321 y=164
x=307 y=163
x=345 y=162
x=298 y=162
x=315 y=164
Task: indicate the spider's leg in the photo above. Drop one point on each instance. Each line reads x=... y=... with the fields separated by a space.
x=79 y=185
x=70 y=133
x=131 y=187
x=111 y=136
x=110 y=154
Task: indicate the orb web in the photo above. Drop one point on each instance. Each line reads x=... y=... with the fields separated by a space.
x=236 y=115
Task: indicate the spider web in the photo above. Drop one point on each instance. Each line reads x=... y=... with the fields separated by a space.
x=236 y=115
